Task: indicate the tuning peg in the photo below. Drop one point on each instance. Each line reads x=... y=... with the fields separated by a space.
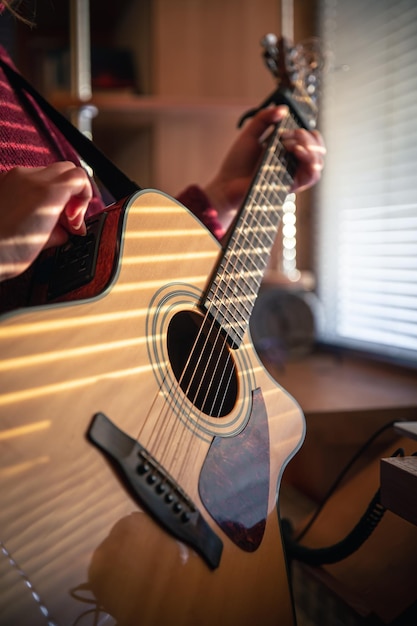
x=269 y=43
x=270 y=40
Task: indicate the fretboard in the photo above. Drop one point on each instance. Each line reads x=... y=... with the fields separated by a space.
x=235 y=284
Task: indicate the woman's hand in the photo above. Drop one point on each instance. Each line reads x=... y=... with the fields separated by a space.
x=229 y=187
x=39 y=207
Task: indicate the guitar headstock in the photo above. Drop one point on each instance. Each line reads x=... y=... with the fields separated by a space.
x=297 y=70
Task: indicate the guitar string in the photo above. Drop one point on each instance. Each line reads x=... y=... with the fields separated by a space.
x=209 y=334
x=262 y=233
x=251 y=217
x=264 y=222
x=255 y=235
x=232 y=276
x=158 y=431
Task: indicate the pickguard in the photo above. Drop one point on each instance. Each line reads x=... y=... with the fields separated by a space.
x=234 y=480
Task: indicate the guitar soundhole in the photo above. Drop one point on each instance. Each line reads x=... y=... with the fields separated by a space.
x=202 y=363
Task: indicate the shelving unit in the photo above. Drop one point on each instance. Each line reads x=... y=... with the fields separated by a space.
x=198 y=68
x=203 y=59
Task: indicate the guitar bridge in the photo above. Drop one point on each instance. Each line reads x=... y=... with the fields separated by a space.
x=155 y=489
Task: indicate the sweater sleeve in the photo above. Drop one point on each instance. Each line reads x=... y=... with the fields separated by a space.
x=194 y=198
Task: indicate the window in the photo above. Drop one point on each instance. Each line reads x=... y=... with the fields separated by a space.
x=367 y=201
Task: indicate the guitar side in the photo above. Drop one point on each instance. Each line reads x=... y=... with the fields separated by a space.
x=77 y=548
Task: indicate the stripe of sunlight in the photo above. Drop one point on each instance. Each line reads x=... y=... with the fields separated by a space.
x=34 y=239
x=19 y=468
x=274 y=391
x=175 y=209
x=37 y=392
x=22 y=431
x=24 y=240
x=161 y=234
x=155 y=284
x=71 y=353
x=164 y=258
x=260 y=369
x=29 y=328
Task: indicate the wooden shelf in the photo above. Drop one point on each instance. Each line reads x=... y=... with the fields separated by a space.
x=141 y=109
x=336 y=381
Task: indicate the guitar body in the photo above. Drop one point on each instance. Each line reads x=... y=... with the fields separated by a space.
x=77 y=547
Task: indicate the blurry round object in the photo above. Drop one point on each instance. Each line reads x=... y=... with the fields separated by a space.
x=283 y=324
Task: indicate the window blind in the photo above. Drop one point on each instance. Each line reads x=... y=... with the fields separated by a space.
x=366 y=243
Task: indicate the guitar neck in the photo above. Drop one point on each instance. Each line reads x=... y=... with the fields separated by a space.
x=234 y=287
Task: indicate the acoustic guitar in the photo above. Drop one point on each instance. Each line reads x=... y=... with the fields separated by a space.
x=141 y=440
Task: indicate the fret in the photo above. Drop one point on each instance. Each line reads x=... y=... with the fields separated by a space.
x=266 y=225
x=238 y=261
x=230 y=297
x=233 y=290
x=239 y=268
x=259 y=230
x=257 y=249
x=253 y=234
x=250 y=280
x=240 y=307
x=230 y=320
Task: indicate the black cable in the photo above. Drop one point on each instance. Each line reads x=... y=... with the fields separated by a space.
x=332 y=554
x=342 y=474
x=347 y=546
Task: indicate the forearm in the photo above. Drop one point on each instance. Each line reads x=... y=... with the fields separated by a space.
x=198 y=202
